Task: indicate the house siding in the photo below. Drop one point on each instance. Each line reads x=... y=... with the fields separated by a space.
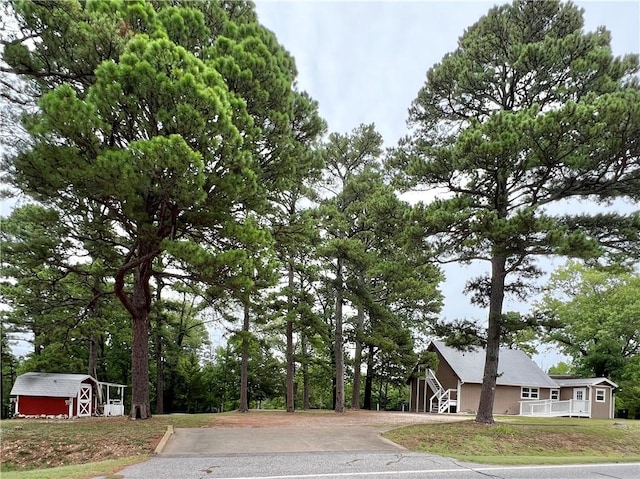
x=566 y=394
x=469 y=398
x=506 y=400
x=445 y=375
x=37 y=405
x=601 y=410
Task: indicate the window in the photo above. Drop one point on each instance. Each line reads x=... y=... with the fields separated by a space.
x=554 y=395
x=530 y=393
x=601 y=395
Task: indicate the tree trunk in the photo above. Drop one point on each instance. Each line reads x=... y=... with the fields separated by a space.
x=92 y=366
x=357 y=360
x=140 y=408
x=159 y=372
x=244 y=368
x=368 y=383
x=490 y=376
x=291 y=405
x=305 y=374
x=138 y=304
x=102 y=364
x=338 y=345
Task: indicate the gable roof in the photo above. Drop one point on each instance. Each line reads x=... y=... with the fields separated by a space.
x=584 y=382
x=49 y=384
x=515 y=368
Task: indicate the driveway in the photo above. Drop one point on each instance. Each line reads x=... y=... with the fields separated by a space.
x=275 y=439
x=258 y=432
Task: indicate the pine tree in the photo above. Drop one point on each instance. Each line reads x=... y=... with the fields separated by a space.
x=160 y=125
x=528 y=112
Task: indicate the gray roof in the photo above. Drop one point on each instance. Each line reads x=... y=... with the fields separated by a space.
x=515 y=368
x=584 y=382
x=49 y=384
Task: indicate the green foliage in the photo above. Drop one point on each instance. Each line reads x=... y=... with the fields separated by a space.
x=376 y=268
x=428 y=359
x=57 y=297
x=561 y=368
x=9 y=365
x=592 y=315
x=161 y=128
x=265 y=375
x=528 y=112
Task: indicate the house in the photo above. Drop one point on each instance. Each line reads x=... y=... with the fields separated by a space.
x=521 y=387
x=590 y=397
x=68 y=395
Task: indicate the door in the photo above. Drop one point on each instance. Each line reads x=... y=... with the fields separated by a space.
x=580 y=404
x=84 y=400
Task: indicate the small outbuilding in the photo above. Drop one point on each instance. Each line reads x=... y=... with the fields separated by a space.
x=68 y=395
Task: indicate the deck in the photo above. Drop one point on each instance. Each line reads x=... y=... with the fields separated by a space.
x=554 y=408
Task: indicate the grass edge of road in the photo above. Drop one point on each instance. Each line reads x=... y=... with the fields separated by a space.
x=543 y=460
x=526 y=441
x=107 y=469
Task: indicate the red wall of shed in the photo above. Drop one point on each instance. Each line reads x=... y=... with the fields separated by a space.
x=34 y=405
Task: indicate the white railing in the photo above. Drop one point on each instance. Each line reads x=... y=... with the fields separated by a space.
x=113 y=410
x=442 y=398
x=443 y=401
x=551 y=407
x=433 y=382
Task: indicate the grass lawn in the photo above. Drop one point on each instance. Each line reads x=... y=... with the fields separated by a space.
x=81 y=448
x=91 y=447
x=518 y=440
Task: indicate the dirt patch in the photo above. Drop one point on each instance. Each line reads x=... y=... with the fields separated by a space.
x=380 y=420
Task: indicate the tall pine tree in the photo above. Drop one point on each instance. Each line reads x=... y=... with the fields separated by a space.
x=528 y=112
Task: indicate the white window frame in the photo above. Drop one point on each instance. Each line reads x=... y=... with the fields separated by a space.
x=604 y=394
x=529 y=393
x=556 y=393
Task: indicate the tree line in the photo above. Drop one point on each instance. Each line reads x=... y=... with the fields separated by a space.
x=172 y=175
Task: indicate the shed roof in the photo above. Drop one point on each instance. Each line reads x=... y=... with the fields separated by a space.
x=49 y=384
x=515 y=368
x=570 y=383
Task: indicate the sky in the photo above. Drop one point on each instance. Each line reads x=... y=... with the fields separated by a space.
x=364 y=62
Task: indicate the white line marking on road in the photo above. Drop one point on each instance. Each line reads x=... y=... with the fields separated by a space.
x=436 y=471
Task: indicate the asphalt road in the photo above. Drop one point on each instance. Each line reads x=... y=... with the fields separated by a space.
x=354 y=452
x=356 y=465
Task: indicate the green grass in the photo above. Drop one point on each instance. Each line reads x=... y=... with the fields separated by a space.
x=33 y=448
x=516 y=440
x=82 y=471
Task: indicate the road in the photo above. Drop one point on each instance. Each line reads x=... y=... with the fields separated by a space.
x=356 y=465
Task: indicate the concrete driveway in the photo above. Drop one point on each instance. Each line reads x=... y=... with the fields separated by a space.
x=256 y=440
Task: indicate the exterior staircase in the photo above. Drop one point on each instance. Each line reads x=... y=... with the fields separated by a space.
x=443 y=399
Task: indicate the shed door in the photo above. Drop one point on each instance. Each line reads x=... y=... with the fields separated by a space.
x=84 y=400
x=579 y=394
